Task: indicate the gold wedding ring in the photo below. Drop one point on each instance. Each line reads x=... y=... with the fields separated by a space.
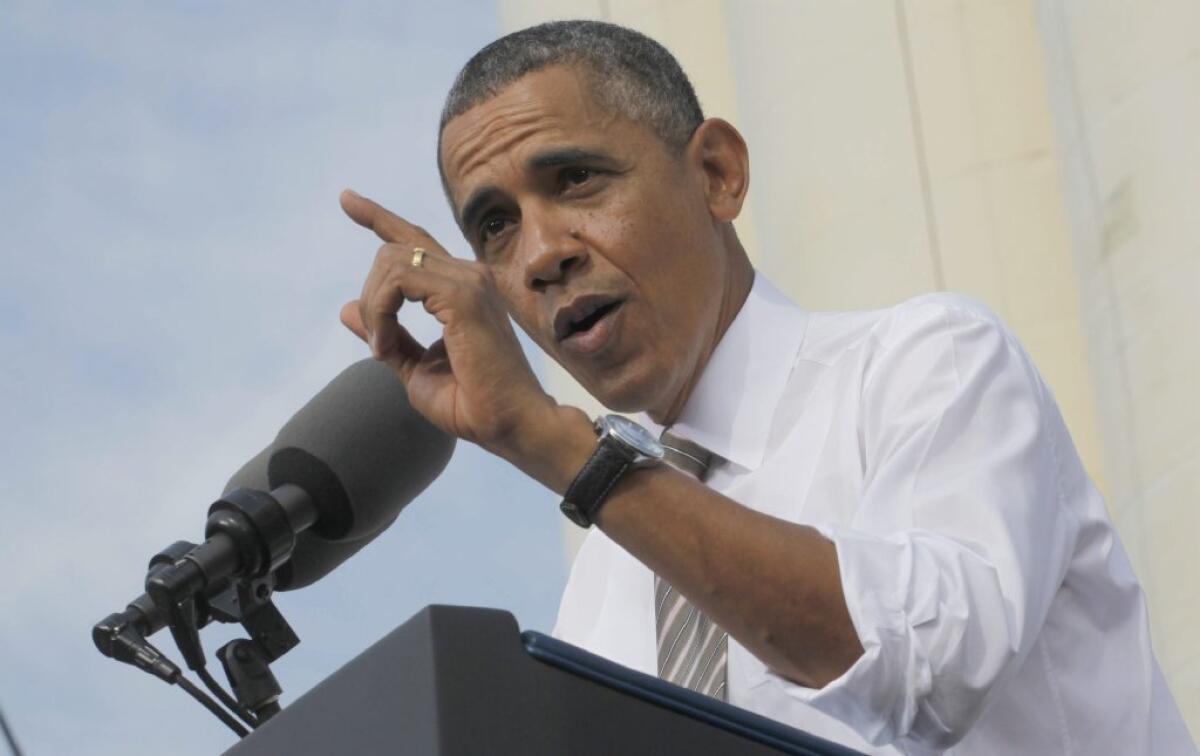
x=418 y=257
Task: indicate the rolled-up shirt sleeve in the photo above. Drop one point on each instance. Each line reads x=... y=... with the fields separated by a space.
x=961 y=537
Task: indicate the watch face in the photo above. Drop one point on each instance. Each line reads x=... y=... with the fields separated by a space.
x=634 y=435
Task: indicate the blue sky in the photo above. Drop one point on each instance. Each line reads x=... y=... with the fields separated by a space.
x=173 y=260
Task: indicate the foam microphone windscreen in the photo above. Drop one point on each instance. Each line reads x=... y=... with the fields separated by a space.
x=252 y=475
x=313 y=557
x=360 y=451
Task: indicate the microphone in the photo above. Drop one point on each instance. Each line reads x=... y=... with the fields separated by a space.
x=347 y=451
x=360 y=451
x=339 y=473
x=313 y=557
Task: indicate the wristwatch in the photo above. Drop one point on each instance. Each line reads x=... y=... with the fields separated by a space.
x=623 y=446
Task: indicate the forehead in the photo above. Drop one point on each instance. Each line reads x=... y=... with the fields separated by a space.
x=549 y=107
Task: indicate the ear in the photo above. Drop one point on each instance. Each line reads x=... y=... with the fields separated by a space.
x=719 y=151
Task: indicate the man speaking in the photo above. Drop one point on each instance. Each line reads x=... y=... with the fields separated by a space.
x=872 y=526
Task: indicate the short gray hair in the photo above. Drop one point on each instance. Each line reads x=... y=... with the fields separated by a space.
x=630 y=73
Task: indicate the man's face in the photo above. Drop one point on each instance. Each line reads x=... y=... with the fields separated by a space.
x=598 y=235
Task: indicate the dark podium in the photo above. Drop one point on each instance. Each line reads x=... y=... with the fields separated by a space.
x=459 y=681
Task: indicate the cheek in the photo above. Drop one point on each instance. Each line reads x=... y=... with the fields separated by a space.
x=518 y=304
x=633 y=234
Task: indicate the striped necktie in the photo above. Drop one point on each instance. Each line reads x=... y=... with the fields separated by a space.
x=692 y=651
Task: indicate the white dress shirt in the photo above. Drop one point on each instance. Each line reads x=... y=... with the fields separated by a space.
x=995 y=603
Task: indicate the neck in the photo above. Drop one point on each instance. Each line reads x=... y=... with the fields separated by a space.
x=739 y=278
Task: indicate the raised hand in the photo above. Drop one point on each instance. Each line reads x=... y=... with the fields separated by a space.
x=473 y=382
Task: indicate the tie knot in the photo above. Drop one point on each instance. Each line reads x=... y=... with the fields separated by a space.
x=686 y=455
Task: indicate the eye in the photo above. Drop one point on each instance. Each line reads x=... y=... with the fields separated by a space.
x=492 y=226
x=577 y=176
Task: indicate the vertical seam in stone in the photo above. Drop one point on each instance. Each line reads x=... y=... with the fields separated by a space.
x=914 y=111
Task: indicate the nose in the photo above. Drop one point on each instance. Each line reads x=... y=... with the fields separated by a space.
x=551 y=249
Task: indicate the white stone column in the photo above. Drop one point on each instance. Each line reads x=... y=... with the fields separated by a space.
x=1125 y=89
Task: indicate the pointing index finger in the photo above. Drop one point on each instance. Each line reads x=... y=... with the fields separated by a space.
x=370 y=214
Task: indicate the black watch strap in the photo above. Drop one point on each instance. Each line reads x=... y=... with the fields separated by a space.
x=592 y=485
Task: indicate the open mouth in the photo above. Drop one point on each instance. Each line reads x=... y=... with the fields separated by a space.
x=588 y=323
x=585 y=324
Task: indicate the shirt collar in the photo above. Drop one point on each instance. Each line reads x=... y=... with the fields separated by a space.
x=731 y=406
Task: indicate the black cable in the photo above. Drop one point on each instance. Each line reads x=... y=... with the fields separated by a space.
x=200 y=696
x=8 y=735
x=184 y=630
x=230 y=702
x=212 y=706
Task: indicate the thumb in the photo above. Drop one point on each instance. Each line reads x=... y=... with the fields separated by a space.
x=352 y=319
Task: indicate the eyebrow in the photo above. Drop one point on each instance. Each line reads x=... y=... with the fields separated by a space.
x=554 y=158
x=564 y=156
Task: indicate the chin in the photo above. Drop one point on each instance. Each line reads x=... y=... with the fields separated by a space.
x=626 y=394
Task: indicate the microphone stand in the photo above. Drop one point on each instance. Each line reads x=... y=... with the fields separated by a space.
x=247 y=661
x=228 y=578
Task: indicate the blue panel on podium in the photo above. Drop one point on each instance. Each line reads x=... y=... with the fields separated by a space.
x=687 y=702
